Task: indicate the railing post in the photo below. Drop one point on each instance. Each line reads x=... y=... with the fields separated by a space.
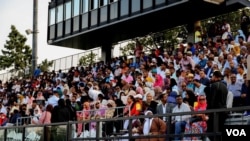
x=98 y=130
x=130 y=128
x=169 y=120
x=216 y=124
x=69 y=133
x=23 y=133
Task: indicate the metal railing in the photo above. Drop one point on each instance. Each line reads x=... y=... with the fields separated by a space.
x=64 y=63
x=64 y=131
x=25 y=120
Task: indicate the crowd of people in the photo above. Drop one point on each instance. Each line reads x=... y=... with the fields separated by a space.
x=203 y=75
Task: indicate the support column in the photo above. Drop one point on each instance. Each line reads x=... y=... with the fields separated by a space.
x=191 y=30
x=106 y=52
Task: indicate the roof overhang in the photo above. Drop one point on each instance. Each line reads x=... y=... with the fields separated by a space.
x=169 y=16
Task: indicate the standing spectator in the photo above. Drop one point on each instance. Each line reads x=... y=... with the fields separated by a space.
x=245 y=94
x=60 y=112
x=138 y=48
x=37 y=72
x=235 y=88
x=216 y=98
x=226 y=29
x=71 y=109
x=244 y=23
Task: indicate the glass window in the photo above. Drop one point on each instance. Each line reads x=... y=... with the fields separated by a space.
x=67 y=10
x=135 y=6
x=112 y=1
x=113 y=11
x=103 y=2
x=85 y=6
x=59 y=13
x=158 y=2
x=76 y=7
x=52 y=16
x=147 y=4
x=94 y=4
x=124 y=10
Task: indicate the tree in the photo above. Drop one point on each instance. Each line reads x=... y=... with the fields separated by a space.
x=88 y=59
x=44 y=66
x=166 y=39
x=16 y=54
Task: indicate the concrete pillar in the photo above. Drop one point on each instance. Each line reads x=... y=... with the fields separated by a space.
x=106 y=52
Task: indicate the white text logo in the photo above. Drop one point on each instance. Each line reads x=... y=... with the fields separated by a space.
x=236 y=132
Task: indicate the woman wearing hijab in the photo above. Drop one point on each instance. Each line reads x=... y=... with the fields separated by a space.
x=240 y=34
x=198 y=122
x=84 y=115
x=152 y=126
x=110 y=112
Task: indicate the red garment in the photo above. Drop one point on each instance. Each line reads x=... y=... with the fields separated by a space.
x=3 y=119
x=135 y=110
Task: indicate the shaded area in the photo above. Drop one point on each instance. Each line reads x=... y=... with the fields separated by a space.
x=165 y=17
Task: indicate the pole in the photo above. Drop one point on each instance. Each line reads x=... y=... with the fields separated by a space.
x=35 y=32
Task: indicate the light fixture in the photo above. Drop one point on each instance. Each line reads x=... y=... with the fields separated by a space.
x=28 y=31
x=218 y=2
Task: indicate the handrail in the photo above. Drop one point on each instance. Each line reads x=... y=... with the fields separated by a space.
x=68 y=125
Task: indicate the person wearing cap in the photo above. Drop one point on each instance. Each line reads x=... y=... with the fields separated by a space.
x=138 y=103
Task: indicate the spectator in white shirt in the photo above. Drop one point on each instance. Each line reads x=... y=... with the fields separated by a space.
x=3 y=109
x=181 y=120
x=199 y=88
x=53 y=100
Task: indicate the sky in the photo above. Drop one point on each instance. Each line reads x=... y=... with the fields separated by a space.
x=20 y=14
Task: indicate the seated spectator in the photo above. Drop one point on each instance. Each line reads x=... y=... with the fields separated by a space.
x=3 y=119
x=151 y=126
x=14 y=118
x=197 y=123
x=46 y=115
x=133 y=108
x=180 y=121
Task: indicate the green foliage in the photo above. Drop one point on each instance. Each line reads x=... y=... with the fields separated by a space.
x=232 y=18
x=165 y=39
x=44 y=66
x=88 y=59
x=172 y=37
x=15 y=53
